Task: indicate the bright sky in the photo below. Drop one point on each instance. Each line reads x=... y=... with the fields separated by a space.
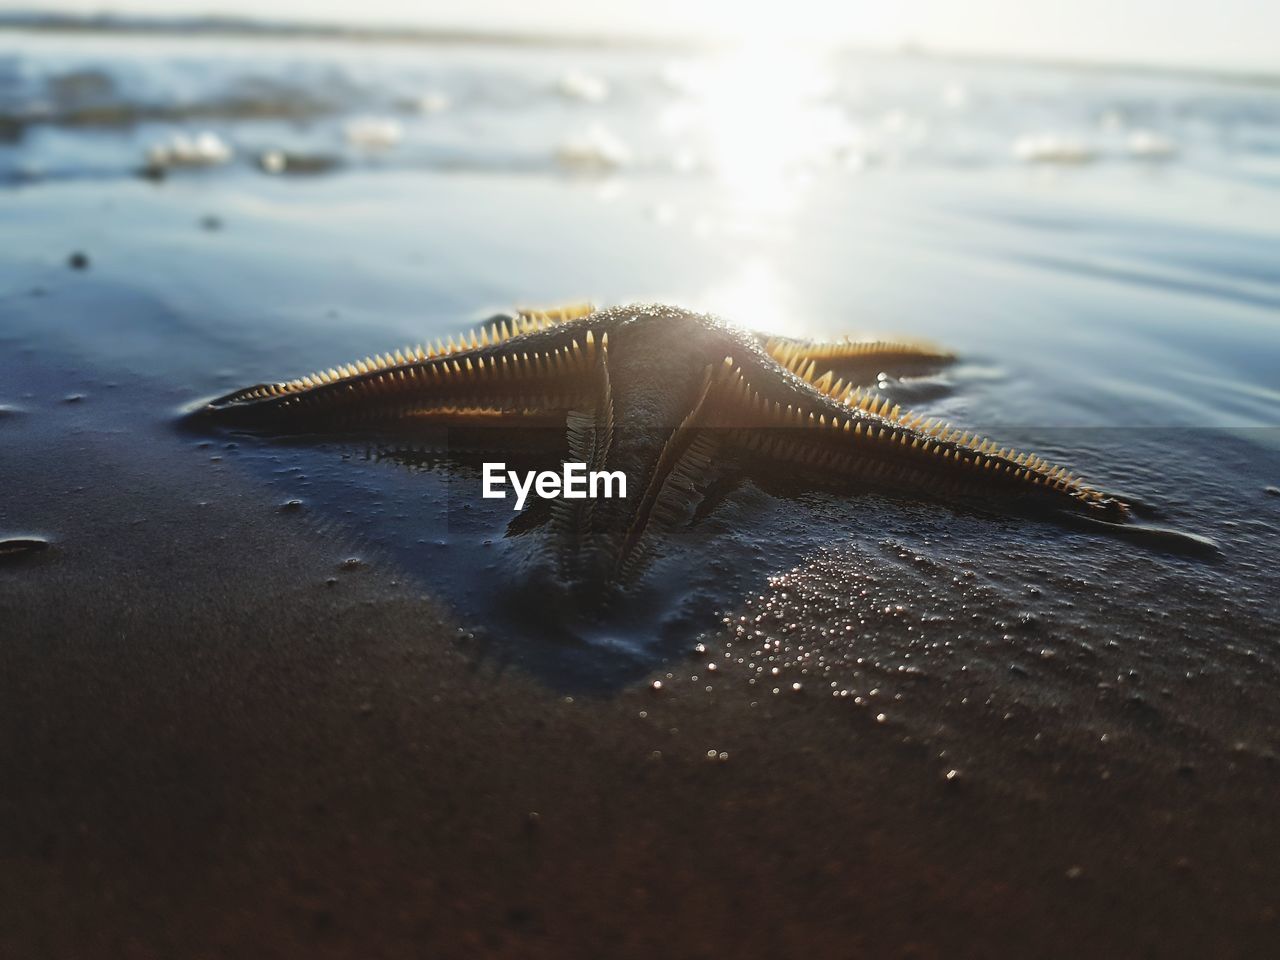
x=1241 y=34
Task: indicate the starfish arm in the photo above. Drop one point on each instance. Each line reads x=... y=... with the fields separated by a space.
x=589 y=436
x=545 y=316
x=681 y=468
x=533 y=366
x=836 y=428
x=860 y=359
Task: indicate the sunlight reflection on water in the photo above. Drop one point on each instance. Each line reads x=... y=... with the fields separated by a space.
x=766 y=117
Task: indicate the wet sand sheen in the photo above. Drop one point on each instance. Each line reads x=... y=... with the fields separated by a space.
x=265 y=762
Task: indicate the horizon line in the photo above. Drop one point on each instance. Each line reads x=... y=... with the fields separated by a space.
x=243 y=25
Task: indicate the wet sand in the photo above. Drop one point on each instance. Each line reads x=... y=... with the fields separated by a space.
x=254 y=761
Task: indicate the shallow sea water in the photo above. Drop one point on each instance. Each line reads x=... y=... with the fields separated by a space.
x=1118 y=315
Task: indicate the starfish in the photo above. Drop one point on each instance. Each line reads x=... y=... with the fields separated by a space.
x=673 y=399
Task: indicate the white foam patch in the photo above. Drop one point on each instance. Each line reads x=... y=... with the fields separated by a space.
x=576 y=85
x=1149 y=145
x=1052 y=148
x=205 y=149
x=595 y=150
x=374 y=133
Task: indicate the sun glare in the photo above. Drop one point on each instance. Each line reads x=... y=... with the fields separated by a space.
x=760 y=106
x=761 y=112
x=762 y=115
x=754 y=297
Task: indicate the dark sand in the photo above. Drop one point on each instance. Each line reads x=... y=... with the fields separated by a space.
x=210 y=751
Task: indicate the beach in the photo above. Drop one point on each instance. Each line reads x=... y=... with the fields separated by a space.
x=276 y=697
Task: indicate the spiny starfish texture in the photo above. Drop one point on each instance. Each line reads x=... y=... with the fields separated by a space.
x=668 y=397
